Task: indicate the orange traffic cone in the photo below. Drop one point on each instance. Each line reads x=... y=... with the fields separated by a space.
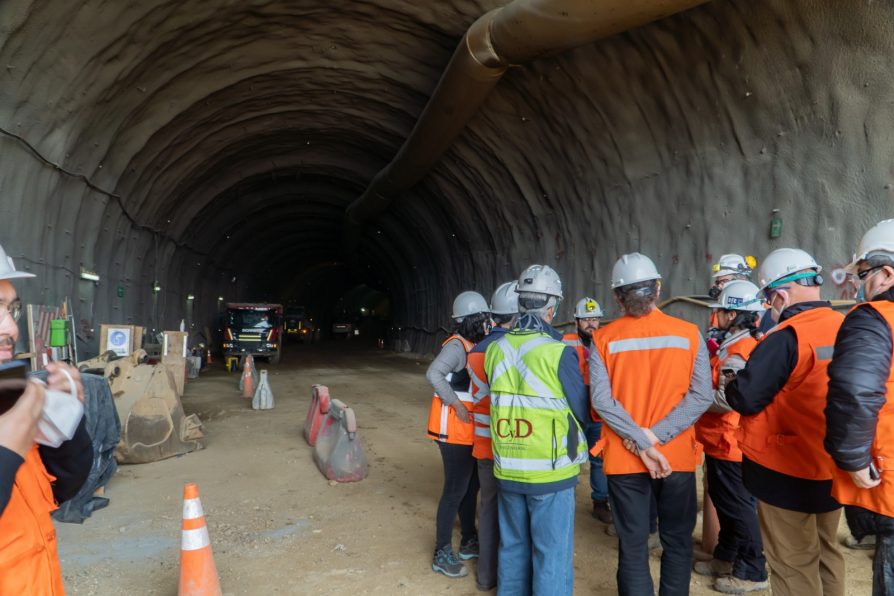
x=248 y=382
x=198 y=574
x=208 y=357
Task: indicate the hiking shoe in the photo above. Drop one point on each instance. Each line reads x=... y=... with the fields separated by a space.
x=714 y=568
x=865 y=543
x=445 y=562
x=735 y=585
x=469 y=549
x=602 y=511
x=610 y=530
x=483 y=588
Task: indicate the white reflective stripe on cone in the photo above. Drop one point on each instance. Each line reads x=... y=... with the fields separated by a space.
x=648 y=343
x=195 y=539
x=192 y=509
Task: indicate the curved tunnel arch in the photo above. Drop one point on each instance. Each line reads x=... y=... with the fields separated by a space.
x=676 y=139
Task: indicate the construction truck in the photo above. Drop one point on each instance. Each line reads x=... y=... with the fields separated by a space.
x=253 y=328
x=298 y=326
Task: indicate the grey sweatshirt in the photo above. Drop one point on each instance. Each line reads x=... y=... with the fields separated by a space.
x=452 y=358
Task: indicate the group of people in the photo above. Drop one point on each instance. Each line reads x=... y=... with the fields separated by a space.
x=785 y=397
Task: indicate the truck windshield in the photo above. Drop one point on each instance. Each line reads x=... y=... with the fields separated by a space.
x=251 y=319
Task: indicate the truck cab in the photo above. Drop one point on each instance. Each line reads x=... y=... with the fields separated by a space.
x=253 y=328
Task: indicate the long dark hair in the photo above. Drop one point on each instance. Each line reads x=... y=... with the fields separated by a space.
x=746 y=320
x=474 y=327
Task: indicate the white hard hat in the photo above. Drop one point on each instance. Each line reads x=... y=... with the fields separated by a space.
x=8 y=269
x=730 y=265
x=540 y=279
x=879 y=239
x=587 y=308
x=469 y=303
x=505 y=299
x=783 y=262
x=633 y=268
x=740 y=295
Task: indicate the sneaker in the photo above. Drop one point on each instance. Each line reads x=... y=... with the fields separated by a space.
x=735 y=585
x=865 y=543
x=445 y=562
x=469 y=549
x=602 y=511
x=610 y=530
x=714 y=568
x=482 y=588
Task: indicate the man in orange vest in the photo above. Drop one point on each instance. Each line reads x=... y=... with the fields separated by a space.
x=738 y=559
x=649 y=382
x=860 y=404
x=781 y=394
x=32 y=479
x=504 y=312
x=587 y=316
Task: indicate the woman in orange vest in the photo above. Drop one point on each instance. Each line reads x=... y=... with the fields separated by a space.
x=738 y=559
x=860 y=405
x=32 y=479
x=450 y=425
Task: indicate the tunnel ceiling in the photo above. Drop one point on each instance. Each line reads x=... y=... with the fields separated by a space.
x=214 y=146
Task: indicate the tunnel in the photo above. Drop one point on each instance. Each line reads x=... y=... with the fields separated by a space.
x=191 y=153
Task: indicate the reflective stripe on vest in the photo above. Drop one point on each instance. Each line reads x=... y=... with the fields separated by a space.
x=443 y=425
x=530 y=421
x=787 y=436
x=649 y=361
x=879 y=499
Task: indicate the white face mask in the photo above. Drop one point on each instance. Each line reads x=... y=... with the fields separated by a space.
x=774 y=313
x=60 y=417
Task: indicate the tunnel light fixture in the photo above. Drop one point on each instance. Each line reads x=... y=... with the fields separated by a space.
x=190 y=297
x=362 y=310
x=89 y=275
x=220 y=298
x=155 y=287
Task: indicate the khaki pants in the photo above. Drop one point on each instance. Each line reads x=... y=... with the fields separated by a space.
x=802 y=551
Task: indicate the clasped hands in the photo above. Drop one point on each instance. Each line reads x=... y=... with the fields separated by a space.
x=654 y=460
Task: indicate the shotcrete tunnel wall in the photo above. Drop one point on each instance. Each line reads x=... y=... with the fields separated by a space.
x=195 y=144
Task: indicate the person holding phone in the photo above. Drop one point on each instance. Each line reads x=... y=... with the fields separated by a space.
x=859 y=404
x=33 y=479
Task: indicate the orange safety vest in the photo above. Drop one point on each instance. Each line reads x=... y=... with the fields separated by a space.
x=787 y=436
x=481 y=442
x=879 y=499
x=573 y=340
x=649 y=360
x=29 y=562
x=443 y=425
x=717 y=432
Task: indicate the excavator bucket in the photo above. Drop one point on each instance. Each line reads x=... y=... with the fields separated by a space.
x=153 y=423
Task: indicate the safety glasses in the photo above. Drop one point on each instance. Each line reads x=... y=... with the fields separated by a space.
x=13 y=309
x=862 y=275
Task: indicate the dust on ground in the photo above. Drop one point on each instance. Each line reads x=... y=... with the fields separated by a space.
x=278 y=527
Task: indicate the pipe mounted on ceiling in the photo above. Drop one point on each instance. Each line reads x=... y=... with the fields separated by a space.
x=521 y=31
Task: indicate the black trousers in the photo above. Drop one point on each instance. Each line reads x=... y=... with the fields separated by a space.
x=740 y=533
x=459 y=494
x=863 y=522
x=631 y=497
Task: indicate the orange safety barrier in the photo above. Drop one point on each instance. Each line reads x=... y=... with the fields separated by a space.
x=319 y=407
x=338 y=451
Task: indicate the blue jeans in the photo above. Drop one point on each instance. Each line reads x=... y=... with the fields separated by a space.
x=598 y=482
x=536 y=544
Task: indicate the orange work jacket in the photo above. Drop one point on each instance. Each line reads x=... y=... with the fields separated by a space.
x=482 y=447
x=879 y=499
x=583 y=360
x=443 y=425
x=787 y=436
x=717 y=432
x=650 y=361
x=29 y=562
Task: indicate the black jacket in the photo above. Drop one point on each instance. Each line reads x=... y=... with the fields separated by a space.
x=857 y=385
x=768 y=369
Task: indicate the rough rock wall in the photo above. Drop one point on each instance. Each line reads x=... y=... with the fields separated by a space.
x=207 y=141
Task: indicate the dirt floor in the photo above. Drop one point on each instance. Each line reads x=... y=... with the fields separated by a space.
x=277 y=526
